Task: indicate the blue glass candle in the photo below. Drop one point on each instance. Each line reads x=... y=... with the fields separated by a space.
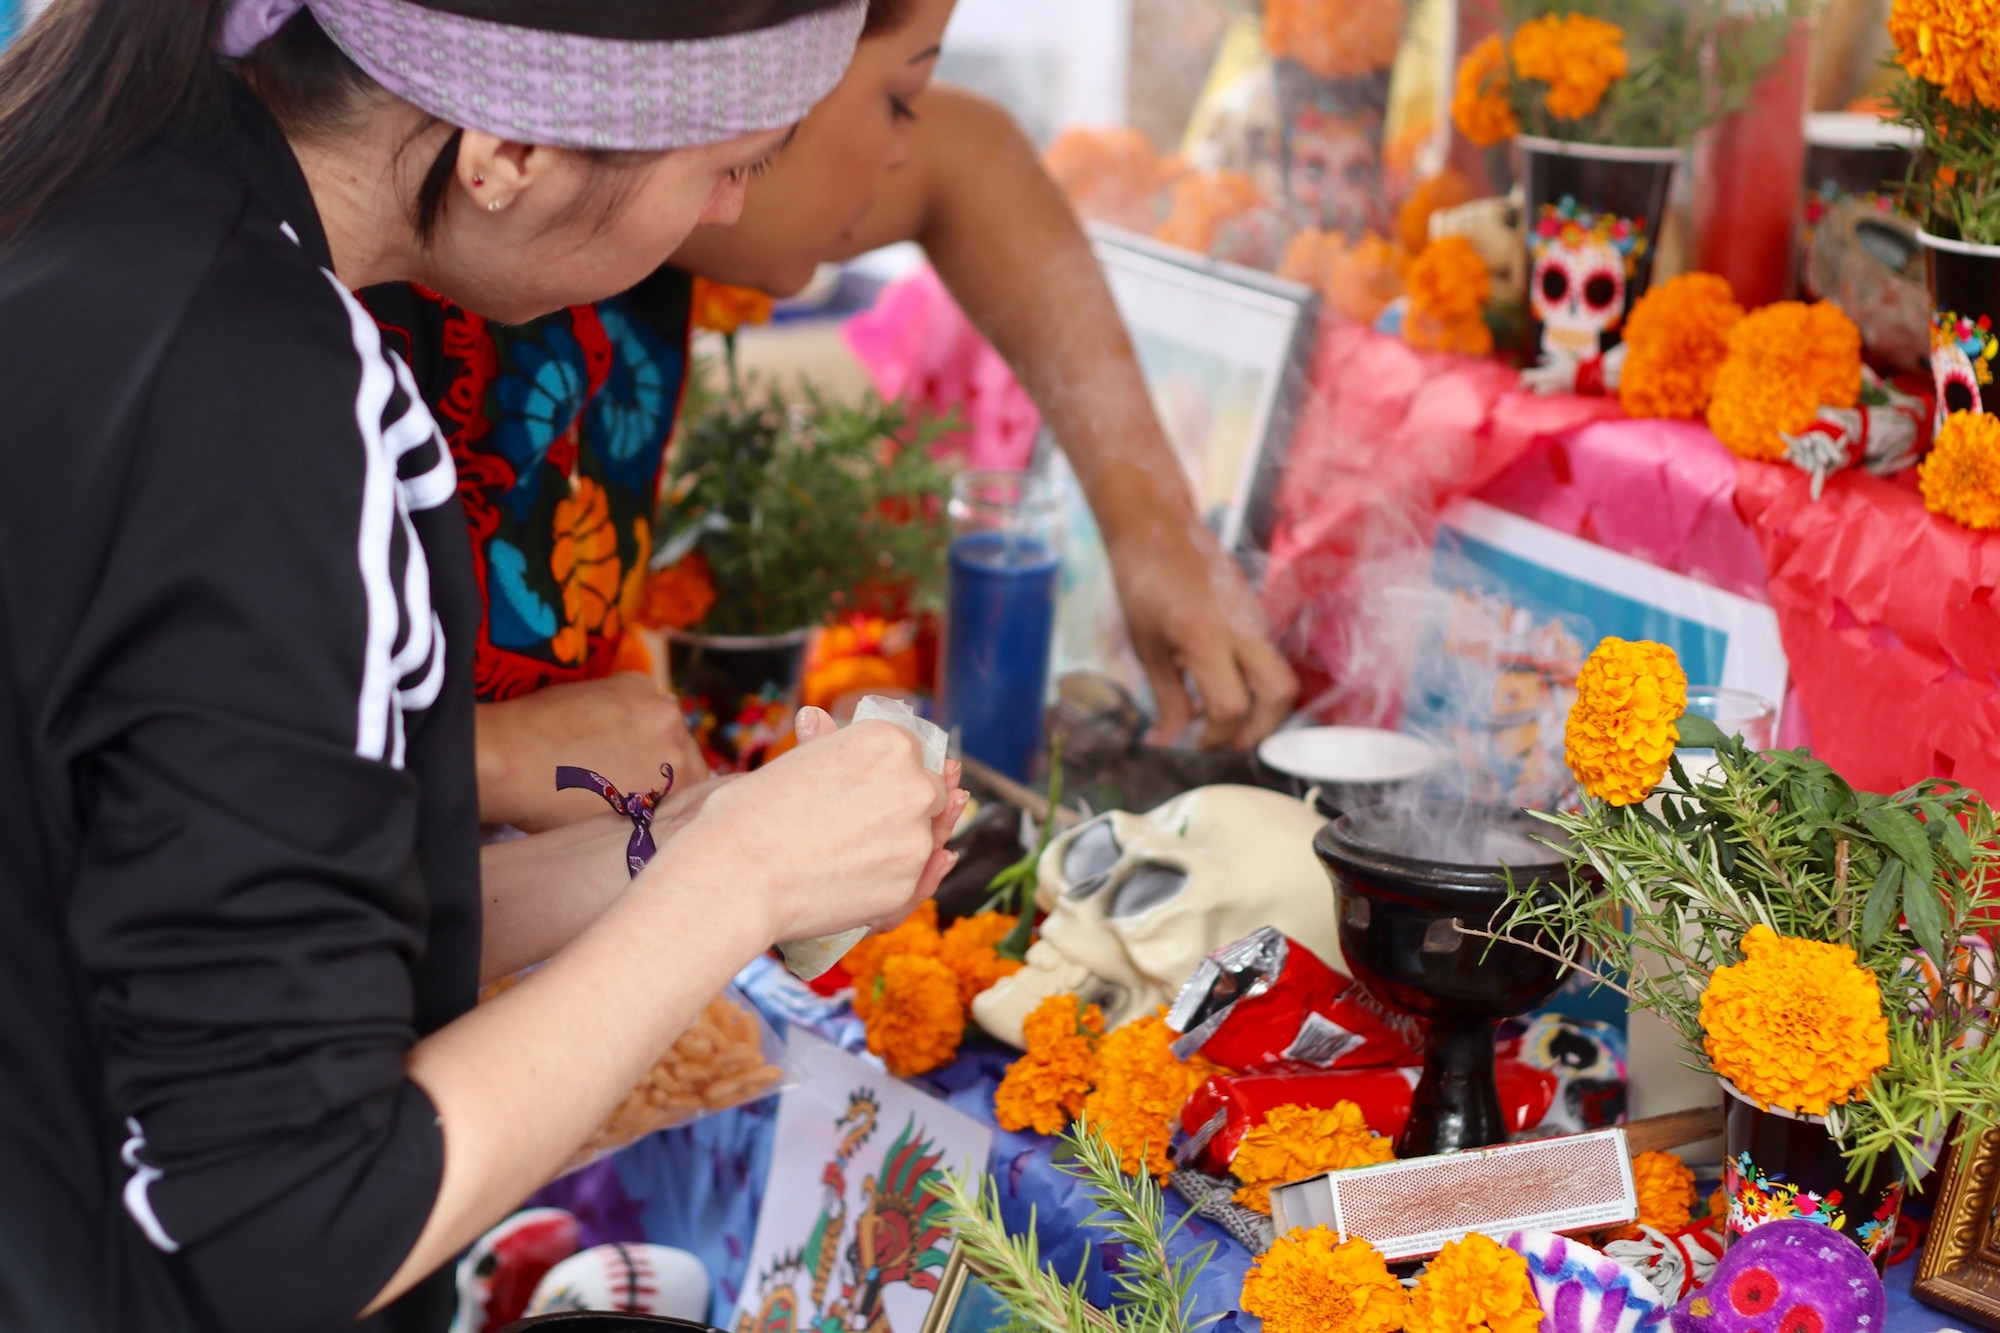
x=1001 y=615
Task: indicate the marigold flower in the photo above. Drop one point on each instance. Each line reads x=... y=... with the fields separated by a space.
x=1309 y=1282
x=1201 y=202
x=678 y=596
x=1356 y=281
x=1479 y=105
x=918 y=934
x=916 y=1021
x=1666 y=1191
x=1139 y=1089
x=725 y=309
x=1675 y=341
x=1954 y=44
x=1299 y=1141
x=1797 y=1024
x=1334 y=39
x=1577 y=56
x=1447 y=189
x=1785 y=362
x=1475 y=1285
x=1960 y=477
x=1621 y=731
x=1111 y=174
x=1449 y=287
x=1045 y=1089
x=967 y=948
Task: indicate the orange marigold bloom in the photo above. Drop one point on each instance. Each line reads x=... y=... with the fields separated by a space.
x=1960 y=476
x=678 y=596
x=1666 y=1191
x=1449 y=287
x=1309 y=1282
x=1299 y=1141
x=1447 y=189
x=916 y=935
x=1797 y=1024
x=1475 y=1285
x=1479 y=105
x=1201 y=202
x=1675 y=342
x=967 y=948
x=1621 y=730
x=1954 y=44
x=1785 y=362
x=722 y=308
x=916 y=1021
x=1335 y=39
x=1139 y=1089
x=1577 y=56
x=1356 y=281
x=1111 y=173
x=1045 y=1089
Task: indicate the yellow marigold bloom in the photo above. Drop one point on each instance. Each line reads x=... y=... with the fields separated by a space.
x=1675 y=341
x=1797 y=1024
x=1139 y=1090
x=1045 y=1089
x=1308 y=1282
x=725 y=309
x=1475 y=1285
x=1299 y=1141
x=1449 y=286
x=1621 y=729
x=1576 y=55
x=916 y=1021
x=1954 y=44
x=1960 y=476
x=967 y=948
x=1479 y=105
x=1785 y=362
x=916 y=935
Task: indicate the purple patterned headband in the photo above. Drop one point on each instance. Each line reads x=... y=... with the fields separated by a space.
x=563 y=90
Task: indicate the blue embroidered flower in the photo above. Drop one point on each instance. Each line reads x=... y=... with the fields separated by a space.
x=538 y=397
x=632 y=414
x=517 y=617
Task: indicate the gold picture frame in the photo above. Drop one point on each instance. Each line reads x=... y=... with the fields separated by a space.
x=1960 y=1268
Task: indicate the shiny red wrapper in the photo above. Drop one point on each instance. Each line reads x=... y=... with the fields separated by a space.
x=1266 y=1002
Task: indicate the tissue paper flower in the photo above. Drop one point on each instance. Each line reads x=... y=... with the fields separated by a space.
x=1797 y=1024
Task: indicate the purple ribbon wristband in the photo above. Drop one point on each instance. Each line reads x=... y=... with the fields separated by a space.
x=638 y=807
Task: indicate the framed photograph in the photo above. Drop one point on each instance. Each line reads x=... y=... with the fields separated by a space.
x=1960 y=1267
x=1225 y=351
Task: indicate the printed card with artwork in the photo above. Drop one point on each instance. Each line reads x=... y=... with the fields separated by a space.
x=851 y=1237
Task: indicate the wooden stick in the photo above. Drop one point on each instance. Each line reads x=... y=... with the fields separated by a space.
x=1012 y=792
x=1657 y=1133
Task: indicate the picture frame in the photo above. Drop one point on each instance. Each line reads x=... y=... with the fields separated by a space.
x=1225 y=351
x=1959 y=1271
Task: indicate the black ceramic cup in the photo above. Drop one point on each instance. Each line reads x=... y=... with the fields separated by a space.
x=1403 y=879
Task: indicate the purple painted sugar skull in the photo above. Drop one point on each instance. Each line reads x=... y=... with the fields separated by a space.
x=1792 y=1276
x=1583 y=1291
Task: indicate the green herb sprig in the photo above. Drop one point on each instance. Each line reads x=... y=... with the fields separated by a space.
x=1954 y=183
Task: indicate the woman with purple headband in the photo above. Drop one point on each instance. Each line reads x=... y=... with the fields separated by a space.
x=244 y=912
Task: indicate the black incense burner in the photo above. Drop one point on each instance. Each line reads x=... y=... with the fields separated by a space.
x=1404 y=878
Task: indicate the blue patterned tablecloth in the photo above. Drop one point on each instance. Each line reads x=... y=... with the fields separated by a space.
x=699 y=1187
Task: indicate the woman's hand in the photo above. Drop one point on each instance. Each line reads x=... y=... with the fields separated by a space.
x=621 y=726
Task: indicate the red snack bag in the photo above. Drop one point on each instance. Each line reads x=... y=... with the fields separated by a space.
x=1267 y=1002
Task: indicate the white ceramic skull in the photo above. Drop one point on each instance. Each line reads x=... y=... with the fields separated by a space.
x=1577 y=291
x=1135 y=902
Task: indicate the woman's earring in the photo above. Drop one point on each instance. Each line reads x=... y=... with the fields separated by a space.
x=493 y=205
x=477 y=180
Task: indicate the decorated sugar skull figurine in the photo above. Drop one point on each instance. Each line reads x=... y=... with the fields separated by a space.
x=1136 y=902
x=1792 y=1276
x=1583 y=1291
x=1579 y=279
x=499 y=1273
x=1962 y=352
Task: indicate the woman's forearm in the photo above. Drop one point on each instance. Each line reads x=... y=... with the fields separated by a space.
x=538 y=893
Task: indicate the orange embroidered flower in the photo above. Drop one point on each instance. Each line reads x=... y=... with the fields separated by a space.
x=1621 y=730
x=1449 y=287
x=1475 y=1285
x=1479 y=105
x=968 y=950
x=1675 y=341
x=587 y=569
x=916 y=1021
x=679 y=596
x=724 y=309
x=1954 y=44
x=1447 y=189
x=916 y=935
x=1045 y=1089
x=1308 y=1282
x=1960 y=477
x=1201 y=202
x=1299 y=1141
x=1785 y=362
x=1334 y=39
x=1139 y=1090
x=1577 y=56
x=1797 y=1024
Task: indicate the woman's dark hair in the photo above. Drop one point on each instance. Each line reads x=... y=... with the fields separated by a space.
x=885 y=16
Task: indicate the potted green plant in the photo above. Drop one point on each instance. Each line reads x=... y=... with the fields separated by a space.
x=1823 y=948
x=776 y=517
